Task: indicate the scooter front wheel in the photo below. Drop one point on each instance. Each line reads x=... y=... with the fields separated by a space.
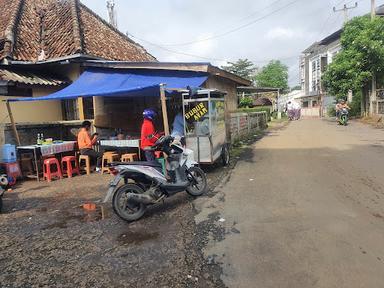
x=344 y=120
x=198 y=180
x=128 y=210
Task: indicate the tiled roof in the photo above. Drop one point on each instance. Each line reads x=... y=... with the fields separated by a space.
x=29 y=78
x=108 y=43
x=61 y=28
x=7 y=10
x=8 y=19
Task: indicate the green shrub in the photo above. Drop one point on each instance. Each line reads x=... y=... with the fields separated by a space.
x=246 y=102
x=356 y=105
x=267 y=109
x=331 y=111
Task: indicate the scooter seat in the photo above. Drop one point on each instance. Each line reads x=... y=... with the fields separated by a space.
x=137 y=163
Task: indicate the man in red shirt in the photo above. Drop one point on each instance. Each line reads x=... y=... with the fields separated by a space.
x=148 y=134
x=86 y=143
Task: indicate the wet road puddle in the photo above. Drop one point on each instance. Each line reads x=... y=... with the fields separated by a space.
x=136 y=238
x=67 y=218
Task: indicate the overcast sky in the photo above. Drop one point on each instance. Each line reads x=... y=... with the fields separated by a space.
x=217 y=31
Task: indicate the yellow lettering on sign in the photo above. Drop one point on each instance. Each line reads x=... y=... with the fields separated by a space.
x=197 y=112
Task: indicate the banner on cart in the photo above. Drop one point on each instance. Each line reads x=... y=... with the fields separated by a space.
x=195 y=113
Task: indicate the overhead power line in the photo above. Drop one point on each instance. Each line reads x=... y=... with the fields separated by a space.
x=248 y=16
x=238 y=21
x=203 y=57
x=219 y=35
x=162 y=46
x=173 y=51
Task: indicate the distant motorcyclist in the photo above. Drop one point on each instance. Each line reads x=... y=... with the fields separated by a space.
x=341 y=104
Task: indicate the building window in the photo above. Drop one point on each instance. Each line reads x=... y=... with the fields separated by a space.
x=70 y=110
x=88 y=108
x=314 y=103
x=305 y=104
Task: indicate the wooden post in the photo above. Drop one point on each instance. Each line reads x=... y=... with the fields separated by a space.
x=164 y=109
x=80 y=104
x=13 y=123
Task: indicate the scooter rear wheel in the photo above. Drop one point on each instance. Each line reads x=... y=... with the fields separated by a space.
x=225 y=155
x=128 y=211
x=198 y=181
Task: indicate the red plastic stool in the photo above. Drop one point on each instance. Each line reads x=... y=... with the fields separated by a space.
x=48 y=174
x=69 y=166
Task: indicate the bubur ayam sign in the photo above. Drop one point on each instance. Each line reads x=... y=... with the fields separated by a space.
x=196 y=112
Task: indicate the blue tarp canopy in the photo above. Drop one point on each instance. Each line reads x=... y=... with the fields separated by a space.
x=123 y=83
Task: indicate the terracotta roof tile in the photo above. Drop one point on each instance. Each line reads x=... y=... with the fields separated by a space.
x=102 y=40
x=63 y=28
x=8 y=9
x=8 y=19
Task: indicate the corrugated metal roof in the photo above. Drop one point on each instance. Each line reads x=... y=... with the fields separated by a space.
x=29 y=78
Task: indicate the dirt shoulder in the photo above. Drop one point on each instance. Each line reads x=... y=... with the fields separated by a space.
x=49 y=240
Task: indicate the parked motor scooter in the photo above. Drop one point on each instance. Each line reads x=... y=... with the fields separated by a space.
x=144 y=183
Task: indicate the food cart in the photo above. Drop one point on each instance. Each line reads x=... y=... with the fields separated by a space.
x=204 y=124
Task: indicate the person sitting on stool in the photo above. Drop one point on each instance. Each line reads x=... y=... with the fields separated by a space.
x=86 y=143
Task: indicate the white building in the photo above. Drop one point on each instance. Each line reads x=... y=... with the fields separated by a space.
x=313 y=63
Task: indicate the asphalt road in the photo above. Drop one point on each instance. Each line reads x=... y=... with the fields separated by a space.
x=304 y=207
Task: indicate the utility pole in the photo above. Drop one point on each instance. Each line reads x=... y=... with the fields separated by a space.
x=373 y=87
x=373 y=9
x=112 y=13
x=345 y=10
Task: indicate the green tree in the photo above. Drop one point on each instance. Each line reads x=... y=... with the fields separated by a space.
x=362 y=55
x=274 y=75
x=243 y=68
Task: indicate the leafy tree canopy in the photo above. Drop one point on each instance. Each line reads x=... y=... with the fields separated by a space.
x=274 y=75
x=243 y=68
x=362 y=41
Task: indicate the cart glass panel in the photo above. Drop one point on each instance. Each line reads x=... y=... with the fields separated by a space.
x=205 y=127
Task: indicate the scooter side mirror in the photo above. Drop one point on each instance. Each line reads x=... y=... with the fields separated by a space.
x=177 y=148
